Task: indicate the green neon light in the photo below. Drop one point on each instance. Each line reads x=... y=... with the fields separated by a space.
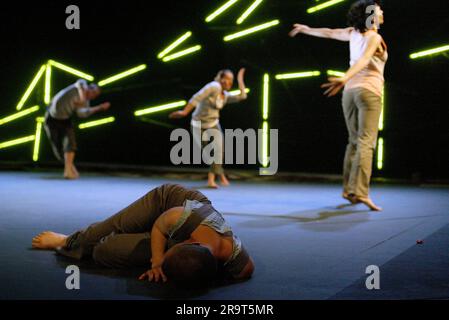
x=265 y=144
x=324 y=6
x=122 y=75
x=174 y=45
x=249 y=11
x=71 y=70
x=18 y=115
x=237 y=92
x=381 y=119
x=380 y=154
x=47 y=93
x=15 y=142
x=37 y=141
x=334 y=73
x=296 y=75
x=266 y=93
x=220 y=10
x=181 y=53
x=95 y=123
x=429 y=52
x=31 y=87
x=160 y=108
x=251 y=30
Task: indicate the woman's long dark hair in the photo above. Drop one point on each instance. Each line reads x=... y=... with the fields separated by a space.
x=357 y=15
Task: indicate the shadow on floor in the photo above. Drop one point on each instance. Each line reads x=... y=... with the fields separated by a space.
x=135 y=287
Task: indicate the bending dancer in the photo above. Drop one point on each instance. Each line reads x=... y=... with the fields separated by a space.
x=362 y=95
x=173 y=229
x=58 y=121
x=208 y=103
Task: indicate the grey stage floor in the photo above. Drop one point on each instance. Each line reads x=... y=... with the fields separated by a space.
x=304 y=247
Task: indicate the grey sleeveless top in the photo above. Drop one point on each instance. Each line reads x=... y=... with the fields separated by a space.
x=198 y=213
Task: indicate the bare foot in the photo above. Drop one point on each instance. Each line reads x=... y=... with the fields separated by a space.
x=224 y=181
x=49 y=240
x=212 y=185
x=368 y=202
x=350 y=197
x=75 y=172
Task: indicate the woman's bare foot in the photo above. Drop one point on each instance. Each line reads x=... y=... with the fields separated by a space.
x=75 y=172
x=49 y=240
x=368 y=202
x=350 y=197
x=224 y=181
x=212 y=184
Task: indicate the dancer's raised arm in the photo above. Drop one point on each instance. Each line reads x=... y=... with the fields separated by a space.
x=336 y=34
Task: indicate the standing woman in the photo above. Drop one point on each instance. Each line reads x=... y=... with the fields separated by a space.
x=362 y=95
x=207 y=104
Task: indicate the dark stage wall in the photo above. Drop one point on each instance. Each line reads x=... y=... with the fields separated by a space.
x=312 y=136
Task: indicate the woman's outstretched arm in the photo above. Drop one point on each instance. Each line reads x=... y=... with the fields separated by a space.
x=336 y=34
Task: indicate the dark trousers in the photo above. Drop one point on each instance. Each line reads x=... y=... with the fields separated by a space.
x=123 y=240
x=61 y=135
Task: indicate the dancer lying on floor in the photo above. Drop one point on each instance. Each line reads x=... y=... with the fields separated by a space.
x=173 y=229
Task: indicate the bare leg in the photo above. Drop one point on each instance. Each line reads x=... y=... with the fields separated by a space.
x=70 y=171
x=49 y=240
x=211 y=180
x=223 y=180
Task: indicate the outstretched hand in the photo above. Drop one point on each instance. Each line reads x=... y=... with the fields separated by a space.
x=154 y=274
x=105 y=106
x=177 y=114
x=333 y=86
x=298 y=28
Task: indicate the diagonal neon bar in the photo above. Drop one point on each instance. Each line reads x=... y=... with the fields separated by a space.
x=174 y=45
x=323 y=5
x=251 y=30
x=182 y=53
x=96 y=123
x=18 y=115
x=70 y=70
x=160 y=108
x=31 y=87
x=15 y=142
x=220 y=10
x=122 y=75
x=429 y=52
x=248 y=11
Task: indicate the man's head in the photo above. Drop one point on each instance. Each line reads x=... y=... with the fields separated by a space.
x=226 y=78
x=92 y=91
x=190 y=266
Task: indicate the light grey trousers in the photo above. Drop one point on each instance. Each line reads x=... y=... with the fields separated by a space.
x=215 y=167
x=362 y=109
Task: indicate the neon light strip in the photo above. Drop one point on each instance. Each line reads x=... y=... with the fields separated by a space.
x=181 y=53
x=14 y=142
x=249 y=11
x=220 y=10
x=31 y=87
x=122 y=75
x=251 y=30
x=160 y=108
x=71 y=70
x=174 y=45
x=18 y=115
x=96 y=123
x=296 y=75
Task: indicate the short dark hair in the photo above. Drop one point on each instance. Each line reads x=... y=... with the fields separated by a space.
x=190 y=266
x=221 y=74
x=357 y=15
